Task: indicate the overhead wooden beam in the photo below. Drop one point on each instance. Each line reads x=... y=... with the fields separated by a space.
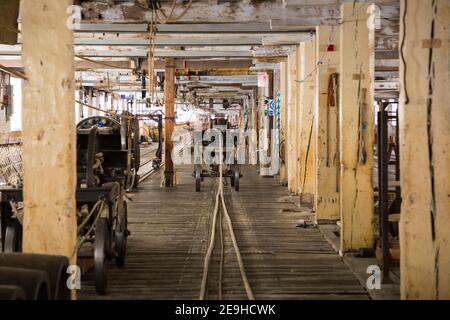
x=203 y=64
x=357 y=127
x=208 y=41
x=327 y=128
x=89 y=65
x=292 y=17
x=80 y=65
x=191 y=39
x=424 y=150
x=49 y=155
x=139 y=52
x=169 y=121
x=307 y=147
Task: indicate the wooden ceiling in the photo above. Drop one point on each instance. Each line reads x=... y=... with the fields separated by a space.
x=219 y=31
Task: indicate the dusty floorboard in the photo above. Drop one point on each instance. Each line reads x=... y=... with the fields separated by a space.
x=169 y=233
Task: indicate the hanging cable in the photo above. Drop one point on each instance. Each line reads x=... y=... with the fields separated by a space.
x=402 y=53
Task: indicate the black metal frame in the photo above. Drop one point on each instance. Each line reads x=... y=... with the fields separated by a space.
x=109 y=187
x=108 y=193
x=384 y=161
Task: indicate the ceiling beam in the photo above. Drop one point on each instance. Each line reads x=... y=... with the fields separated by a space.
x=181 y=64
x=161 y=40
x=306 y=13
x=176 y=52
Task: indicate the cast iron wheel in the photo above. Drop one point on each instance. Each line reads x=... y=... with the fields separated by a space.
x=101 y=262
x=233 y=169
x=237 y=175
x=121 y=236
x=13 y=236
x=136 y=181
x=198 y=178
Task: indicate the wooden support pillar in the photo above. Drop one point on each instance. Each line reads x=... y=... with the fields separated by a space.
x=169 y=111
x=327 y=126
x=292 y=120
x=296 y=132
x=306 y=181
x=424 y=150
x=284 y=124
x=262 y=139
x=357 y=127
x=49 y=136
x=266 y=123
x=254 y=135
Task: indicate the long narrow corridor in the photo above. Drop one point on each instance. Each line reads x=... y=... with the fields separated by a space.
x=224 y=150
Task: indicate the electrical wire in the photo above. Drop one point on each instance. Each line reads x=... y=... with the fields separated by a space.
x=112 y=113
x=330 y=41
x=170 y=18
x=13 y=72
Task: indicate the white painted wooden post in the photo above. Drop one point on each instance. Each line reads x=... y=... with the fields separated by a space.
x=49 y=157
x=327 y=133
x=357 y=127
x=284 y=124
x=292 y=118
x=306 y=181
x=425 y=150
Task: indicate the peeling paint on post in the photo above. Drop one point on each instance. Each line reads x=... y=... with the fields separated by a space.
x=424 y=151
x=327 y=137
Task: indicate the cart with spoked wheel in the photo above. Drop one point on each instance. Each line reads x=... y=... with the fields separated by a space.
x=105 y=158
x=230 y=167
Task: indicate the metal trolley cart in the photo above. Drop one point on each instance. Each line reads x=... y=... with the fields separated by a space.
x=230 y=169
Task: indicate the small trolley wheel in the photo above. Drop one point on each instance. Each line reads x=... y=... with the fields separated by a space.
x=13 y=236
x=121 y=235
x=198 y=177
x=101 y=263
x=233 y=169
x=136 y=181
x=237 y=175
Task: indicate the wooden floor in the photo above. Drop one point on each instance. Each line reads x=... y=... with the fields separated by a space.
x=170 y=230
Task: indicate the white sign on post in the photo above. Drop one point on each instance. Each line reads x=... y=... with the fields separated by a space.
x=263 y=80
